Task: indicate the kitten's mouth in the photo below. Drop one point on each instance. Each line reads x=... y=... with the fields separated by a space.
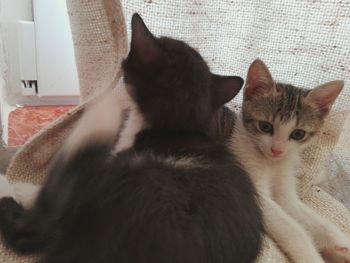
x=270 y=156
x=274 y=157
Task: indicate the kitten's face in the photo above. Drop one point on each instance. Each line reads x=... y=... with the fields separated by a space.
x=172 y=84
x=282 y=119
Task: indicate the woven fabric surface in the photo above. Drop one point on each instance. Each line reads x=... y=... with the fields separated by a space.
x=304 y=43
x=336 y=177
x=99 y=38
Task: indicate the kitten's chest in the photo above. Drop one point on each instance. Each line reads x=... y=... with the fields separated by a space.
x=261 y=173
x=267 y=175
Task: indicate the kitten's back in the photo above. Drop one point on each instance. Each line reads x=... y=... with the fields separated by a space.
x=180 y=205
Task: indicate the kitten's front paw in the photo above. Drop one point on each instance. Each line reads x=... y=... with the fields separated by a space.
x=337 y=250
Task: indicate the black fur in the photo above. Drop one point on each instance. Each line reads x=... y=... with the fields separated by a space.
x=137 y=207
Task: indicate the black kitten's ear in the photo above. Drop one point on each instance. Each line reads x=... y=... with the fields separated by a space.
x=225 y=88
x=259 y=80
x=143 y=43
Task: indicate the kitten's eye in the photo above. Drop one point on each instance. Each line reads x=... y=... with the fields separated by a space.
x=297 y=134
x=265 y=126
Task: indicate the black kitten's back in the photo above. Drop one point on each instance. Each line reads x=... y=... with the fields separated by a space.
x=170 y=207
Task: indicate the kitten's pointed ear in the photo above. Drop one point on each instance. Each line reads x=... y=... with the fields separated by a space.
x=325 y=95
x=143 y=43
x=225 y=88
x=259 y=80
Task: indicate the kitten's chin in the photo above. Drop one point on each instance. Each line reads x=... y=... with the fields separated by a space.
x=274 y=158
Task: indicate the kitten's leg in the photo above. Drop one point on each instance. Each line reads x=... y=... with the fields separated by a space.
x=332 y=243
x=32 y=230
x=288 y=234
x=100 y=122
x=25 y=231
x=17 y=228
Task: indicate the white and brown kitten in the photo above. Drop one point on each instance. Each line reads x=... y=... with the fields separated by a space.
x=276 y=124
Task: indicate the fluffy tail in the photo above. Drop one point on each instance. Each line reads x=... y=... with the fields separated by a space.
x=18 y=230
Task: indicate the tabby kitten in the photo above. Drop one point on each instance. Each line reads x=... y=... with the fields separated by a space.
x=277 y=123
x=176 y=196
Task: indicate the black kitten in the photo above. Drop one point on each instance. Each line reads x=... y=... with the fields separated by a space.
x=177 y=196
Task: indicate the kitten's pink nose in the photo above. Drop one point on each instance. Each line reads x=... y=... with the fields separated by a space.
x=276 y=152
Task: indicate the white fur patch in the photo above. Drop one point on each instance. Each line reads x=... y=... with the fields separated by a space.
x=134 y=124
x=183 y=162
x=174 y=161
x=6 y=189
x=101 y=121
x=26 y=193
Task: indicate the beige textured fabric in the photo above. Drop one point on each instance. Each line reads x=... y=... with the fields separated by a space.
x=304 y=42
x=99 y=37
x=336 y=179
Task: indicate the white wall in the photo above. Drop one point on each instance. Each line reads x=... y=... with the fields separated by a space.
x=10 y=92
x=10 y=12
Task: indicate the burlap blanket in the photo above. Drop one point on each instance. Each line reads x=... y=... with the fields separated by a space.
x=303 y=42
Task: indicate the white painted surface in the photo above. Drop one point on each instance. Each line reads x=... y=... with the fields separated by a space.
x=27 y=50
x=57 y=74
x=11 y=11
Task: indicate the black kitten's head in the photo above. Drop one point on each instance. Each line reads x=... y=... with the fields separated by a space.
x=172 y=84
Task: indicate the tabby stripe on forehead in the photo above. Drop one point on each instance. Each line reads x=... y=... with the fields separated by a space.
x=290 y=103
x=250 y=120
x=299 y=108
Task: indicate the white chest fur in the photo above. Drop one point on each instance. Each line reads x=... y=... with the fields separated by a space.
x=263 y=171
